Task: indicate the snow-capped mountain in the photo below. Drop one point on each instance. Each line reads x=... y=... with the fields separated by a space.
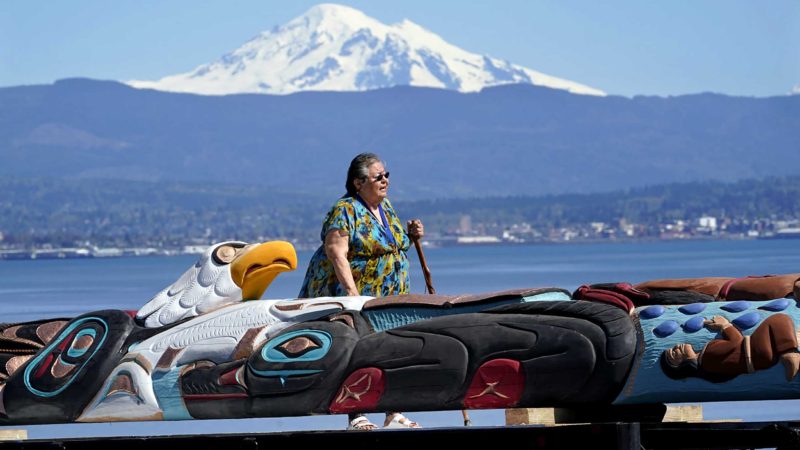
x=338 y=48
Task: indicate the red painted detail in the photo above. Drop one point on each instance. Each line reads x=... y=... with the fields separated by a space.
x=498 y=383
x=66 y=342
x=131 y=313
x=200 y=397
x=726 y=288
x=621 y=299
x=51 y=356
x=360 y=391
x=44 y=366
x=229 y=378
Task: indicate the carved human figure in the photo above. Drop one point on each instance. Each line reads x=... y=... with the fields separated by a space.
x=734 y=354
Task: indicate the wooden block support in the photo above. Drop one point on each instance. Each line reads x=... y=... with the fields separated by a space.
x=559 y=416
x=530 y=416
x=684 y=413
x=13 y=435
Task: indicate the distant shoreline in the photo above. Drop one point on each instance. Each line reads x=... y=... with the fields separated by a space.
x=114 y=252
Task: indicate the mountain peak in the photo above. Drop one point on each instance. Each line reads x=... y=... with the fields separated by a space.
x=332 y=14
x=338 y=48
x=334 y=10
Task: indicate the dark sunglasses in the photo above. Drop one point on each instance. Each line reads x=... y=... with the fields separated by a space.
x=379 y=177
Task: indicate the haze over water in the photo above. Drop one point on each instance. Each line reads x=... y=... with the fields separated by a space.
x=41 y=289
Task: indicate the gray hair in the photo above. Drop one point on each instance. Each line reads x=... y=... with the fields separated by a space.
x=359 y=170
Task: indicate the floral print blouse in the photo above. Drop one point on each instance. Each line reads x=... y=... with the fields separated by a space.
x=378 y=261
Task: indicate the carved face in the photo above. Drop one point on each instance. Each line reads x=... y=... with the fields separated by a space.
x=680 y=353
x=306 y=355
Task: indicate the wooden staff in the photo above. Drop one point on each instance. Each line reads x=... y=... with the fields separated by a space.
x=429 y=287
x=425 y=271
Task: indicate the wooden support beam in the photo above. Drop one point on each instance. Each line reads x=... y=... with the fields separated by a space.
x=530 y=416
x=13 y=435
x=599 y=414
x=684 y=413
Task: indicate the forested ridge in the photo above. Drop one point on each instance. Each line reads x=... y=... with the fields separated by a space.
x=63 y=212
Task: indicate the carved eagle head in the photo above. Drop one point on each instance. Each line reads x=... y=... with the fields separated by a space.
x=226 y=273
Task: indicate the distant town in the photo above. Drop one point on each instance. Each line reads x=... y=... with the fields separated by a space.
x=101 y=219
x=704 y=227
x=466 y=234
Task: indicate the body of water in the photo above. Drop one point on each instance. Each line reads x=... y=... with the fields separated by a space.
x=39 y=289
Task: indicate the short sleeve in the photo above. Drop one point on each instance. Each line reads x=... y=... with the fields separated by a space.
x=340 y=217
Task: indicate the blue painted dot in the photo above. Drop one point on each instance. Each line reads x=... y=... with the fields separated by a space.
x=748 y=320
x=776 y=305
x=735 y=307
x=665 y=328
x=651 y=312
x=694 y=324
x=692 y=308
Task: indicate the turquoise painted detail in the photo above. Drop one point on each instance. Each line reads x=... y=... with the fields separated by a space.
x=108 y=388
x=547 y=296
x=43 y=354
x=166 y=386
x=648 y=384
x=270 y=352
x=283 y=373
x=76 y=353
x=388 y=318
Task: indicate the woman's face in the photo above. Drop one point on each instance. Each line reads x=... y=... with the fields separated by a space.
x=376 y=186
x=680 y=353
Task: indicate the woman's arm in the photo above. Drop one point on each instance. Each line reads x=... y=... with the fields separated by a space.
x=336 y=248
x=720 y=323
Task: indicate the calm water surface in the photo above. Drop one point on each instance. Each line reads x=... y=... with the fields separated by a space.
x=66 y=288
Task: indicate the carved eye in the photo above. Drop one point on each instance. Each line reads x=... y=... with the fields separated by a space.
x=122 y=383
x=344 y=318
x=298 y=346
x=224 y=254
x=80 y=345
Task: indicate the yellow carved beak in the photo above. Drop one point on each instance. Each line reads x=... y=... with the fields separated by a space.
x=258 y=264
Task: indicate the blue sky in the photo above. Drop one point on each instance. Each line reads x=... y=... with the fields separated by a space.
x=622 y=47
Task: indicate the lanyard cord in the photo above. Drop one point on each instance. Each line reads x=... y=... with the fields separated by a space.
x=386 y=226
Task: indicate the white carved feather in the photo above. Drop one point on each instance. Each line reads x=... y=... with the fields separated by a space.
x=205 y=286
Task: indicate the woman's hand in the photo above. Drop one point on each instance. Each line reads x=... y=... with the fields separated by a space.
x=717 y=323
x=415 y=229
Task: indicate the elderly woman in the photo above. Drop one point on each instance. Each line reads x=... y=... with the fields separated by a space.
x=363 y=251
